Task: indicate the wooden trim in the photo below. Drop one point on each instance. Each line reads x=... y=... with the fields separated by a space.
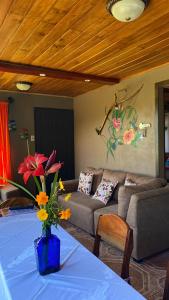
x=16 y=68
x=166 y=288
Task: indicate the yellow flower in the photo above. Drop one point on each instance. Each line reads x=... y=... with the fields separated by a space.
x=68 y=196
x=42 y=215
x=65 y=214
x=42 y=198
x=61 y=186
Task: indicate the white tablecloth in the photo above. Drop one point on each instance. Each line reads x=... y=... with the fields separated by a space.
x=82 y=276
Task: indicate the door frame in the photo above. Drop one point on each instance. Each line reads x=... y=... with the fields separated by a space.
x=159 y=127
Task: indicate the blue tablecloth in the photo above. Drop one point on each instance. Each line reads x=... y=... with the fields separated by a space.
x=82 y=276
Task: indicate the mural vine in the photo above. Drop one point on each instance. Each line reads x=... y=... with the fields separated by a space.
x=122 y=128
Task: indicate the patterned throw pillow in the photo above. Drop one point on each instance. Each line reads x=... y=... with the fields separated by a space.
x=85 y=182
x=129 y=182
x=105 y=190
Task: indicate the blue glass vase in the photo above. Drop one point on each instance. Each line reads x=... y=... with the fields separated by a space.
x=47 y=249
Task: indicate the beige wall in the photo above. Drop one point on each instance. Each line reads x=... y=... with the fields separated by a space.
x=90 y=149
x=22 y=111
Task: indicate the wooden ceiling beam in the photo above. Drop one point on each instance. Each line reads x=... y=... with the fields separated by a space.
x=16 y=68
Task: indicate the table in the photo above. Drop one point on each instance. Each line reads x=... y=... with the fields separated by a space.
x=82 y=276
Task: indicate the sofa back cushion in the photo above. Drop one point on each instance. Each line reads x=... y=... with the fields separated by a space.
x=125 y=193
x=97 y=177
x=115 y=176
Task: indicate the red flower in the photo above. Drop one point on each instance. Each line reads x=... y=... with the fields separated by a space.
x=51 y=166
x=51 y=160
x=54 y=168
x=32 y=165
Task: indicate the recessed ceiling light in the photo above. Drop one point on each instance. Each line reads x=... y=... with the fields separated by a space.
x=42 y=74
x=87 y=80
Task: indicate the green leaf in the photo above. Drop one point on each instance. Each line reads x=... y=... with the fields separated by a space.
x=20 y=187
x=54 y=184
x=37 y=183
x=122 y=115
x=109 y=148
x=130 y=112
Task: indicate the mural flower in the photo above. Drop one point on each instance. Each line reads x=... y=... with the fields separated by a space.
x=128 y=136
x=116 y=123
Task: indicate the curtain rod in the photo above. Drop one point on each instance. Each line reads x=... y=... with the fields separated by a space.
x=9 y=100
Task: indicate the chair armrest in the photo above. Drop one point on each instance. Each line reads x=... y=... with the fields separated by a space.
x=71 y=185
x=149 y=209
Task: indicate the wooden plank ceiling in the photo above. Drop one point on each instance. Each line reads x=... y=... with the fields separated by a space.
x=79 y=36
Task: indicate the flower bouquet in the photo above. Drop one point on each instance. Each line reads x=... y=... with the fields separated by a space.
x=50 y=212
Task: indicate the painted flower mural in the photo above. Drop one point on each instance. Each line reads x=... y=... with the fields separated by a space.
x=128 y=136
x=116 y=123
x=122 y=128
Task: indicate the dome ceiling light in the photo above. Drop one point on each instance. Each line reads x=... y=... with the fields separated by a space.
x=23 y=85
x=126 y=10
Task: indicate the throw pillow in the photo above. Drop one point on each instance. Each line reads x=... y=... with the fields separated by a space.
x=104 y=191
x=97 y=177
x=129 y=182
x=85 y=182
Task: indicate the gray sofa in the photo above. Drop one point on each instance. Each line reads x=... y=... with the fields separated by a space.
x=145 y=207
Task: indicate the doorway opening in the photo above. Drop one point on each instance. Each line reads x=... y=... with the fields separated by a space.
x=54 y=130
x=162 y=118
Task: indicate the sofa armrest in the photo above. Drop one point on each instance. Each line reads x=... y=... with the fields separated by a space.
x=125 y=193
x=149 y=208
x=71 y=185
x=148 y=216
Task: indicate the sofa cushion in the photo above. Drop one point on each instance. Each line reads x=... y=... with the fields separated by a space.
x=105 y=190
x=85 y=182
x=109 y=209
x=114 y=176
x=82 y=208
x=125 y=193
x=97 y=177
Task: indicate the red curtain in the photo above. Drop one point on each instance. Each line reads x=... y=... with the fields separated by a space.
x=5 y=160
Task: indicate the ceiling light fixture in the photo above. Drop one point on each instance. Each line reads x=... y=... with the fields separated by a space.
x=42 y=74
x=126 y=10
x=87 y=80
x=23 y=85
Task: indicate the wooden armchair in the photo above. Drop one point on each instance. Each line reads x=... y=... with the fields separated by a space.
x=117 y=232
x=17 y=202
x=166 y=288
